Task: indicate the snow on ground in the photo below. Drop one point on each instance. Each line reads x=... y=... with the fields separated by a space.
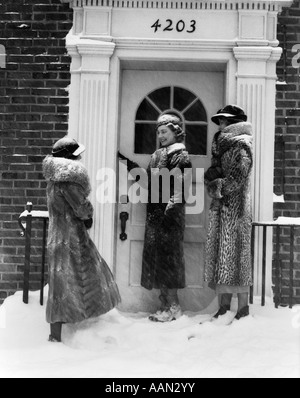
x=121 y=345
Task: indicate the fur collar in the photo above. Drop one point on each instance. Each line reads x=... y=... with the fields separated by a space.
x=66 y=170
x=161 y=158
x=175 y=147
x=235 y=134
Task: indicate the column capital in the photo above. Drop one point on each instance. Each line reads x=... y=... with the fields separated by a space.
x=262 y=54
x=257 y=62
x=90 y=48
x=89 y=56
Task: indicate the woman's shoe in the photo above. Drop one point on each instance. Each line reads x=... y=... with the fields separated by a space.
x=53 y=339
x=173 y=313
x=55 y=332
x=222 y=311
x=242 y=313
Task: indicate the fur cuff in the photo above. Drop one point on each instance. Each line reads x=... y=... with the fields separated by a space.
x=212 y=173
x=214 y=188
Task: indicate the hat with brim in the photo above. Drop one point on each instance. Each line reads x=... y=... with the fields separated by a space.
x=230 y=112
x=66 y=147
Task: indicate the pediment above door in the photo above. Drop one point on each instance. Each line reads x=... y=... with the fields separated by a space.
x=251 y=23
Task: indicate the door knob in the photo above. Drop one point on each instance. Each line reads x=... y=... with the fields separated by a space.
x=123 y=217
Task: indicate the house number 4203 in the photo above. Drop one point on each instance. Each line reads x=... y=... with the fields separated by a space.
x=170 y=25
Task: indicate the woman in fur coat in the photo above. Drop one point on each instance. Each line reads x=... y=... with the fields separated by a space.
x=81 y=284
x=228 y=246
x=163 y=264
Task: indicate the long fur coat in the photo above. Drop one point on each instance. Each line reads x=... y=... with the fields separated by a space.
x=163 y=255
x=228 y=246
x=81 y=284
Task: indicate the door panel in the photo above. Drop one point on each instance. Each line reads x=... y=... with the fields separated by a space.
x=136 y=86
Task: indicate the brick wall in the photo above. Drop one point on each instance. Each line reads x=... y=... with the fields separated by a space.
x=287 y=158
x=33 y=115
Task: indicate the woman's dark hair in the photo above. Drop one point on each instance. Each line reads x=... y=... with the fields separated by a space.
x=72 y=157
x=232 y=120
x=179 y=133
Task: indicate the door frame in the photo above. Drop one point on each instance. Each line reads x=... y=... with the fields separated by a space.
x=95 y=81
x=98 y=51
x=122 y=60
x=194 y=293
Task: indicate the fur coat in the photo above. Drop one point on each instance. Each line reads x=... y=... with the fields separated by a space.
x=163 y=254
x=228 y=246
x=81 y=284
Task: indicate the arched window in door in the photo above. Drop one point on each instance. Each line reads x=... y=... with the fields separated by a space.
x=179 y=101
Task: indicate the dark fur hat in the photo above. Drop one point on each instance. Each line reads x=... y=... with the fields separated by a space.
x=174 y=123
x=230 y=112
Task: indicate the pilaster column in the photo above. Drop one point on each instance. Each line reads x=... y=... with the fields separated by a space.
x=256 y=79
x=90 y=73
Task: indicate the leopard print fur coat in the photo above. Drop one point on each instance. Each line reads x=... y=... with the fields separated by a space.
x=228 y=245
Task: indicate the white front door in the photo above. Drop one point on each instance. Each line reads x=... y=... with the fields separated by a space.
x=145 y=94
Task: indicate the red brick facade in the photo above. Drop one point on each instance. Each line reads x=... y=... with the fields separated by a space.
x=34 y=114
x=287 y=156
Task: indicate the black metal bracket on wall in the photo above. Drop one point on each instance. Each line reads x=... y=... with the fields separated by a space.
x=283 y=78
x=280 y=144
x=277 y=262
x=25 y=223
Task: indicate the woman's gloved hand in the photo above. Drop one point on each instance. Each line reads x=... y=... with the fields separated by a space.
x=213 y=173
x=122 y=157
x=130 y=164
x=214 y=188
x=88 y=223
